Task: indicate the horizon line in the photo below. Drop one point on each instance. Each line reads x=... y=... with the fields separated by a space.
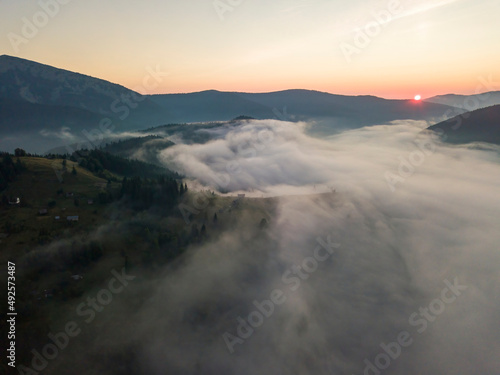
x=245 y=92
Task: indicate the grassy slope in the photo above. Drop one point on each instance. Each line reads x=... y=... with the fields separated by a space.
x=37 y=186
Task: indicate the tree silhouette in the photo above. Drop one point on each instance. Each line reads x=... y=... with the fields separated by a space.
x=263 y=224
x=19 y=152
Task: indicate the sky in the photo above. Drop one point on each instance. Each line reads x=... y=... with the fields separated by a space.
x=393 y=49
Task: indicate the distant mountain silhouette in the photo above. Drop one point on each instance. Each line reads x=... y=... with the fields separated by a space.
x=482 y=125
x=36 y=83
x=330 y=112
x=38 y=101
x=210 y=105
x=345 y=111
x=22 y=117
x=39 y=127
x=467 y=102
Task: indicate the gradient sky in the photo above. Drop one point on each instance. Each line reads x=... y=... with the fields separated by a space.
x=428 y=47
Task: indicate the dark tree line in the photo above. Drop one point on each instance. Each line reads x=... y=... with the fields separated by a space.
x=9 y=169
x=98 y=161
x=144 y=193
x=125 y=146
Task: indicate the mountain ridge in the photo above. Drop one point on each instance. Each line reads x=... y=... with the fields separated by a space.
x=481 y=125
x=43 y=84
x=96 y=101
x=467 y=102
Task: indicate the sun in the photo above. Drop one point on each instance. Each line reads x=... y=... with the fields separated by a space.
x=418 y=97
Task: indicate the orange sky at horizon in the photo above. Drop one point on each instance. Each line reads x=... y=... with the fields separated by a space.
x=399 y=88
x=424 y=47
x=396 y=90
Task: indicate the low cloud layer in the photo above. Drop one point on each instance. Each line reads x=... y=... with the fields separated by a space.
x=277 y=158
x=416 y=222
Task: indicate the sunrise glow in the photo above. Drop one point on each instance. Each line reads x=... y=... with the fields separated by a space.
x=321 y=45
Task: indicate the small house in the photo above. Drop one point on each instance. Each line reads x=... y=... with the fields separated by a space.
x=43 y=212
x=70 y=195
x=72 y=218
x=15 y=201
x=90 y=202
